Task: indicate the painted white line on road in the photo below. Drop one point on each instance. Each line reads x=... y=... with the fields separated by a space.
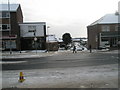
x=55 y=77
x=11 y=62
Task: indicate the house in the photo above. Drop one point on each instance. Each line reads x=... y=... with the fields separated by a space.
x=104 y=32
x=33 y=35
x=52 y=43
x=10 y=16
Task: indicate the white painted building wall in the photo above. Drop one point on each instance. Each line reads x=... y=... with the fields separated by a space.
x=25 y=30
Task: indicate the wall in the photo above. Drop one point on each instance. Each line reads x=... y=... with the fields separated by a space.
x=25 y=32
x=15 y=18
x=93 y=34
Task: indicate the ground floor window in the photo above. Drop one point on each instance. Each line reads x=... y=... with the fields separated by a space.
x=112 y=41
x=29 y=43
x=111 y=38
x=7 y=44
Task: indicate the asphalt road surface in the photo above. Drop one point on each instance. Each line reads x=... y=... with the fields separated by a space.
x=63 y=60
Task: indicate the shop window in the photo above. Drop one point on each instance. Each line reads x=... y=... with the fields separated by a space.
x=7 y=43
x=13 y=44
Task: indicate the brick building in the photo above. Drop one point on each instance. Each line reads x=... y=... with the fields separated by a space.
x=52 y=43
x=10 y=16
x=104 y=32
x=18 y=35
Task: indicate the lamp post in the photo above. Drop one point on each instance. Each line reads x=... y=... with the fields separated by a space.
x=35 y=39
x=48 y=38
x=9 y=27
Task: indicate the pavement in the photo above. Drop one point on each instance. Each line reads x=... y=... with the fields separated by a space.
x=26 y=54
x=38 y=53
x=104 y=76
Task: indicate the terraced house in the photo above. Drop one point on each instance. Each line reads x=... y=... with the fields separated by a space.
x=19 y=35
x=10 y=18
x=104 y=32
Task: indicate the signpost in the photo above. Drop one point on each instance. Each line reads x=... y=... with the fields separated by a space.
x=35 y=39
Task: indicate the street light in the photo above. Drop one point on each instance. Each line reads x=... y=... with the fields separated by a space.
x=48 y=37
x=9 y=27
x=35 y=39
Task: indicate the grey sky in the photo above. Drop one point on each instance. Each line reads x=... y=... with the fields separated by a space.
x=71 y=16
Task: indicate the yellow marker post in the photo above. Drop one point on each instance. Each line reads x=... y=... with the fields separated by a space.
x=21 y=78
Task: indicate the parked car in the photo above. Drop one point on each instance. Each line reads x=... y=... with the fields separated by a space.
x=77 y=48
x=107 y=45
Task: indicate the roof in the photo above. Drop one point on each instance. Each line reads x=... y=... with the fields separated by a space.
x=13 y=7
x=107 y=19
x=51 y=38
x=24 y=23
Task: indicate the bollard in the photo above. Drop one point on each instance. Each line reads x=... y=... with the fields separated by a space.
x=21 y=78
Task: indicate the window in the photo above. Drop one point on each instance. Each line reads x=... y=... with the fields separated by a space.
x=8 y=42
x=104 y=39
x=105 y=28
x=5 y=14
x=0 y=27
x=5 y=27
x=31 y=28
x=116 y=28
x=1 y=14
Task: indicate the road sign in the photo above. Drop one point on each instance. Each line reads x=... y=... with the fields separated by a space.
x=35 y=39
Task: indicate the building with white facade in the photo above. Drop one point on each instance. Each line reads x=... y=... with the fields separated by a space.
x=33 y=35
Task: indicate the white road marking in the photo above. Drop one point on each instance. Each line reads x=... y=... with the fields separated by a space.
x=11 y=62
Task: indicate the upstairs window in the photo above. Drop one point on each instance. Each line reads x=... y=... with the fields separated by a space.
x=5 y=27
x=116 y=28
x=0 y=27
x=5 y=15
x=0 y=14
x=105 y=28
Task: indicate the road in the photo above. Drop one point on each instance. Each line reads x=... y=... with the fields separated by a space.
x=63 y=60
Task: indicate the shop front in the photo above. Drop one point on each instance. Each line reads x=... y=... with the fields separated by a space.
x=110 y=38
x=9 y=42
x=31 y=44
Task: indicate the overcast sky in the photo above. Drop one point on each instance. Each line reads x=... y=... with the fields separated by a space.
x=66 y=16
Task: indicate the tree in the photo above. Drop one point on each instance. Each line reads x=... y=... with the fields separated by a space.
x=66 y=39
